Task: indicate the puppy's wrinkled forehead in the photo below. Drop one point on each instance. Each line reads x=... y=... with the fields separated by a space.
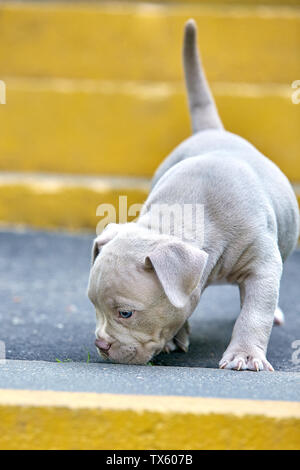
x=121 y=278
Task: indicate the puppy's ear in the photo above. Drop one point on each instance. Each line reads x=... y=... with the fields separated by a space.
x=179 y=267
x=106 y=236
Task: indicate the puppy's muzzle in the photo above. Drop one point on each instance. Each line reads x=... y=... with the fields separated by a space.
x=102 y=345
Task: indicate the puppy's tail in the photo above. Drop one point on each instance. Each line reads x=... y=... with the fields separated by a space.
x=203 y=110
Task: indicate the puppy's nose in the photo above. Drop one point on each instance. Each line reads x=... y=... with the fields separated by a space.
x=101 y=344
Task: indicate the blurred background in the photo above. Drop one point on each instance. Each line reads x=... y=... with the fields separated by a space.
x=95 y=97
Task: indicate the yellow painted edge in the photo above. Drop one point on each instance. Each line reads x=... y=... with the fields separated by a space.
x=142 y=88
x=160 y=404
x=65 y=201
x=52 y=183
x=279 y=10
x=230 y=2
x=72 y=420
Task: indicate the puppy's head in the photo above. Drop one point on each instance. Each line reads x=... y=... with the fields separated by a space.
x=143 y=286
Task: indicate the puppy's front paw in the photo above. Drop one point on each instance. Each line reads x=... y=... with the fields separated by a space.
x=170 y=346
x=241 y=360
x=180 y=341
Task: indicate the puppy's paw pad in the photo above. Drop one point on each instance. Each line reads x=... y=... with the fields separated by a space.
x=243 y=361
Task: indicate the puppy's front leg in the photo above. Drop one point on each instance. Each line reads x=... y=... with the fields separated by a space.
x=259 y=297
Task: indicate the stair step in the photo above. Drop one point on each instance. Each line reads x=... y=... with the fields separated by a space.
x=137 y=41
x=91 y=127
x=67 y=201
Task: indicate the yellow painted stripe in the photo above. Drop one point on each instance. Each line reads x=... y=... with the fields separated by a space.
x=92 y=127
x=229 y=2
x=143 y=42
x=66 y=202
x=63 y=420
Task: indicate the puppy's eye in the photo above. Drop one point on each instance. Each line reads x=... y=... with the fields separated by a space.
x=125 y=314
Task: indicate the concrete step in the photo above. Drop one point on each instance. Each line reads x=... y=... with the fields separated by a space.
x=66 y=201
x=137 y=41
x=128 y=128
x=44 y=420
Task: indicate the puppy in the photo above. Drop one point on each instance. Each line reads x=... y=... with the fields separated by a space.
x=147 y=277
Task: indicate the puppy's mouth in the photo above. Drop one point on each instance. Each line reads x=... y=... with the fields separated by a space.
x=102 y=353
x=118 y=356
x=128 y=354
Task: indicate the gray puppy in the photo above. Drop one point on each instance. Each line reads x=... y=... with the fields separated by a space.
x=146 y=281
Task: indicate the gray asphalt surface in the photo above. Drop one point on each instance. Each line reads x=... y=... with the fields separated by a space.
x=149 y=380
x=45 y=314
